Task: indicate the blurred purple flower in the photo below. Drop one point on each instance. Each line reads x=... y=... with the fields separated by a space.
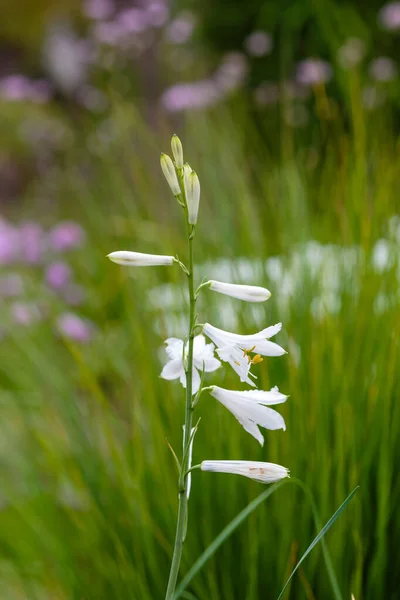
x=232 y=71
x=24 y=313
x=66 y=235
x=258 y=43
x=351 y=53
x=108 y=33
x=183 y=96
x=9 y=243
x=74 y=327
x=98 y=9
x=133 y=20
x=58 y=274
x=158 y=13
x=180 y=30
x=32 y=242
x=383 y=69
x=389 y=16
x=313 y=71
x=15 y=87
x=11 y=285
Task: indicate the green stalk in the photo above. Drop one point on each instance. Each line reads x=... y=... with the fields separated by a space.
x=182 y=507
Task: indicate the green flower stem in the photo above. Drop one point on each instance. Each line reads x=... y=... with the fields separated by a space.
x=182 y=507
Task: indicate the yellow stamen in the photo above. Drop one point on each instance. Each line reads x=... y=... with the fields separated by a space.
x=256 y=359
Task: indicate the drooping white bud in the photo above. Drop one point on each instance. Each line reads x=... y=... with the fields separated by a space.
x=138 y=259
x=262 y=472
x=192 y=190
x=168 y=169
x=177 y=151
x=248 y=293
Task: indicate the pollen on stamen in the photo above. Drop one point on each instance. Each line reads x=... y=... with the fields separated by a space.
x=256 y=359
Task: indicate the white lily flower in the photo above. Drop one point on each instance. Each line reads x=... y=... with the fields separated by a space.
x=262 y=472
x=177 y=151
x=235 y=349
x=192 y=191
x=248 y=293
x=250 y=408
x=138 y=259
x=203 y=355
x=168 y=169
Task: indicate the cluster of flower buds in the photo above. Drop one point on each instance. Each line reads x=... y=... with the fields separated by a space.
x=241 y=352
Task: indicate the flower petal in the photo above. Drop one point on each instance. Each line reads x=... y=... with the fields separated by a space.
x=172 y=370
x=174 y=348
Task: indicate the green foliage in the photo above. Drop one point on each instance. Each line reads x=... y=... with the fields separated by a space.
x=89 y=498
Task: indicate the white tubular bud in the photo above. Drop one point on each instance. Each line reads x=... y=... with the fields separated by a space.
x=192 y=190
x=137 y=259
x=248 y=293
x=168 y=169
x=262 y=472
x=177 y=151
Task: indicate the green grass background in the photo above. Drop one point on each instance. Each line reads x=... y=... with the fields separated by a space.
x=89 y=499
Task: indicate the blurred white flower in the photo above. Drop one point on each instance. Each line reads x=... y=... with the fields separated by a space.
x=313 y=71
x=138 y=259
x=262 y=472
x=235 y=349
x=383 y=68
x=203 y=357
x=248 y=293
x=250 y=408
x=258 y=43
x=351 y=53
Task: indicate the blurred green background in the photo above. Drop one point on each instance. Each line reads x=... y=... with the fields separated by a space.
x=289 y=113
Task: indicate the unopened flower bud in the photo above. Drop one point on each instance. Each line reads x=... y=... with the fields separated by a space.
x=168 y=169
x=177 y=151
x=192 y=190
x=138 y=259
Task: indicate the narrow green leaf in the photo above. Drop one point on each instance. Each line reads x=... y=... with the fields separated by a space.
x=225 y=533
x=319 y=537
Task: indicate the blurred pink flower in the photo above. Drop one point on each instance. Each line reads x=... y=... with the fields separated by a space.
x=9 y=243
x=18 y=87
x=232 y=71
x=383 y=69
x=180 y=30
x=389 y=16
x=58 y=274
x=24 y=313
x=66 y=235
x=98 y=9
x=313 y=71
x=158 y=13
x=183 y=96
x=74 y=327
x=32 y=242
x=133 y=20
x=258 y=43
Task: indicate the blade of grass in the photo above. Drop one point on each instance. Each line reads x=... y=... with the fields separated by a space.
x=319 y=537
x=225 y=533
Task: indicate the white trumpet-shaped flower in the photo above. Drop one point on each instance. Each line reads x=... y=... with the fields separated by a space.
x=138 y=259
x=248 y=293
x=168 y=169
x=262 y=472
x=203 y=357
x=250 y=408
x=236 y=349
